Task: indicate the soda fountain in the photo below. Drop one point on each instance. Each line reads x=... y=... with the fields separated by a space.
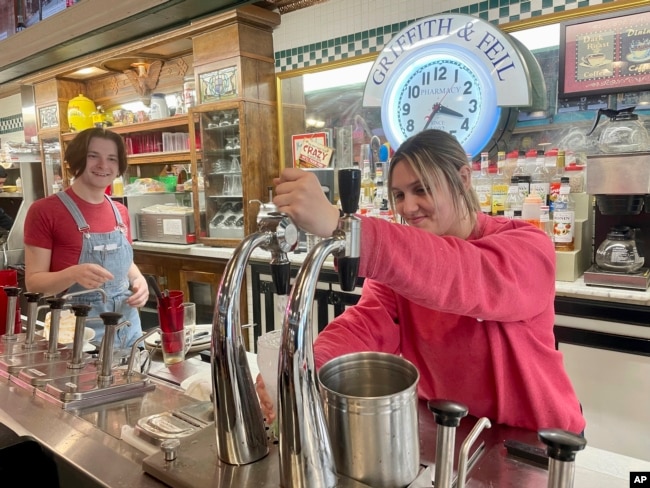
x=240 y=431
x=306 y=458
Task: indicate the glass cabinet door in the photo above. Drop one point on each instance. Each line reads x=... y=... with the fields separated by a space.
x=52 y=171
x=222 y=172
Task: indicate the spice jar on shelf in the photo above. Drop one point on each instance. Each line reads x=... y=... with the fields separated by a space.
x=576 y=174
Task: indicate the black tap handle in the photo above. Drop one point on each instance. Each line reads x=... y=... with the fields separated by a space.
x=562 y=444
x=349 y=189
x=281 y=276
x=110 y=318
x=11 y=291
x=32 y=296
x=348 y=270
x=56 y=303
x=446 y=412
x=81 y=310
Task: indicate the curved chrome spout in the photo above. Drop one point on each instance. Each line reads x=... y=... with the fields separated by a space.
x=240 y=430
x=306 y=458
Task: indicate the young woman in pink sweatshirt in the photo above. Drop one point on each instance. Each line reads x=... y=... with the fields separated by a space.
x=466 y=297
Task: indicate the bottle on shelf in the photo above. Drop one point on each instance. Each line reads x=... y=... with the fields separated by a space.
x=523 y=178
x=531 y=209
x=483 y=186
x=545 y=222
x=514 y=200
x=554 y=187
x=378 y=199
x=499 y=186
x=380 y=207
x=564 y=218
x=367 y=194
x=550 y=161
x=511 y=163
x=117 y=189
x=539 y=179
x=531 y=160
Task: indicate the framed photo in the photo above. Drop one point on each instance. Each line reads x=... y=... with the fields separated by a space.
x=218 y=85
x=605 y=54
x=48 y=117
x=297 y=141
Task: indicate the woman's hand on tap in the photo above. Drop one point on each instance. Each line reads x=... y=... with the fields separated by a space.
x=299 y=194
x=266 y=403
x=90 y=275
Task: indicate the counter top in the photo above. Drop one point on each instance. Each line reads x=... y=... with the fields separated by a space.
x=576 y=289
x=83 y=437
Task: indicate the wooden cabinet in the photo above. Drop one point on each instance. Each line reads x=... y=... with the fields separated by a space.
x=234 y=171
x=199 y=281
x=234 y=73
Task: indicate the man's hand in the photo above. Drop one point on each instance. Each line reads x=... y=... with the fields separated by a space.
x=140 y=291
x=90 y=275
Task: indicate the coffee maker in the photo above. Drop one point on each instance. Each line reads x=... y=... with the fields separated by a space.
x=621 y=186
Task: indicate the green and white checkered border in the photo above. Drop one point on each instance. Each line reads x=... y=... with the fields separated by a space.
x=13 y=123
x=373 y=40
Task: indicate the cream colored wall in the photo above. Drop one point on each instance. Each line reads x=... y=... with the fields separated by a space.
x=335 y=18
x=10 y=107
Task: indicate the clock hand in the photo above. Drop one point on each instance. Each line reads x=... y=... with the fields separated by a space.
x=448 y=111
x=434 y=111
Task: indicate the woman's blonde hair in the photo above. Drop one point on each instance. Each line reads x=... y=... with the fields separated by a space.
x=436 y=157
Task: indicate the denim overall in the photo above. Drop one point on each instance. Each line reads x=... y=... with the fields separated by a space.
x=112 y=251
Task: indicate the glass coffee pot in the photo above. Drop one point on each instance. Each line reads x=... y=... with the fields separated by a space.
x=618 y=253
x=621 y=132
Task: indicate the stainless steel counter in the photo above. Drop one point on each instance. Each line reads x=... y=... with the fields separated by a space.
x=88 y=441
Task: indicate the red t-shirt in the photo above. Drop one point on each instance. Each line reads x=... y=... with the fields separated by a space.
x=50 y=225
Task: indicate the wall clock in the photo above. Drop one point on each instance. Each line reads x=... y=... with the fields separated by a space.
x=455 y=73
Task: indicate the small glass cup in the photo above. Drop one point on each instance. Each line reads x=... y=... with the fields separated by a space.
x=268 y=358
x=189 y=316
x=175 y=345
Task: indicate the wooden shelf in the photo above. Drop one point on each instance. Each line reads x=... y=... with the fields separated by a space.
x=160 y=157
x=163 y=125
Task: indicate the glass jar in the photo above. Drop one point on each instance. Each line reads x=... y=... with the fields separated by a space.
x=576 y=174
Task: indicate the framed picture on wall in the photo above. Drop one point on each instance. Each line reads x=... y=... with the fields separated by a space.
x=218 y=85
x=605 y=54
x=298 y=140
x=48 y=117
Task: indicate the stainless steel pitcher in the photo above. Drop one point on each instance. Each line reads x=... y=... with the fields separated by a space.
x=370 y=404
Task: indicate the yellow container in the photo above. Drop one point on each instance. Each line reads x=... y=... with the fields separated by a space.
x=80 y=113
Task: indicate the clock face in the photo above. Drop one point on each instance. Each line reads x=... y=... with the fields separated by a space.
x=444 y=91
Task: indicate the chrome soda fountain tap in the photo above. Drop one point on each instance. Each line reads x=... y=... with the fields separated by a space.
x=112 y=323
x=306 y=458
x=12 y=293
x=56 y=305
x=562 y=447
x=81 y=312
x=447 y=415
x=240 y=431
x=32 y=308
